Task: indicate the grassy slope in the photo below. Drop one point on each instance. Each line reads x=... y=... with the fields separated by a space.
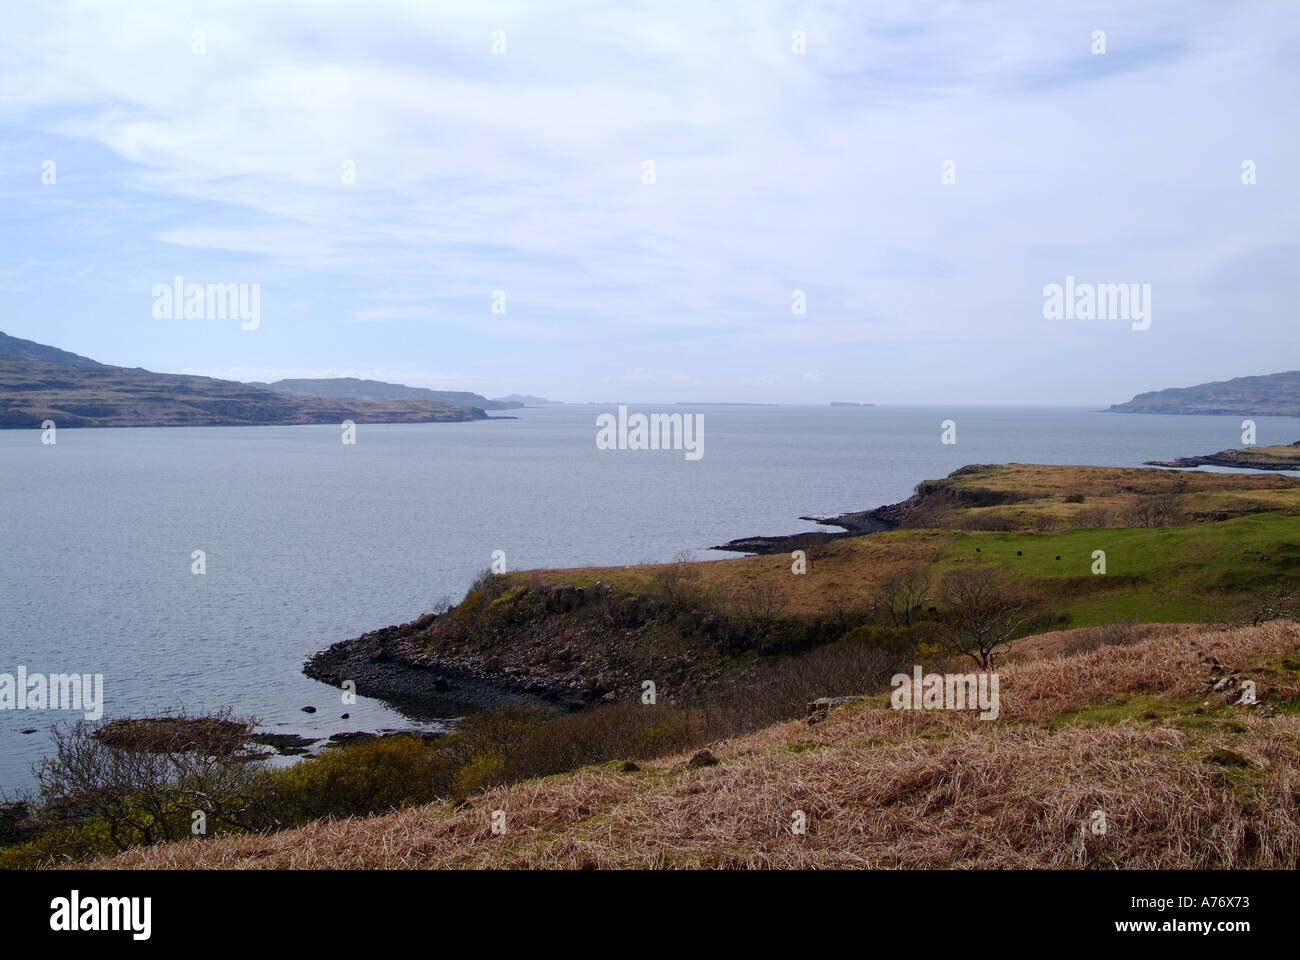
x=1152 y=575
x=1116 y=729
x=1188 y=573
x=1280 y=453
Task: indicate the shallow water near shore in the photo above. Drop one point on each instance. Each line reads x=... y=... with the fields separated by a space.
x=309 y=541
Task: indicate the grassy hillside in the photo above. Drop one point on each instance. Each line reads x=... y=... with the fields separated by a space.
x=1229 y=536
x=96 y=395
x=1185 y=778
x=30 y=349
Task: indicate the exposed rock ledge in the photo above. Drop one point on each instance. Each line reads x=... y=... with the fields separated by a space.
x=877 y=520
x=390 y=665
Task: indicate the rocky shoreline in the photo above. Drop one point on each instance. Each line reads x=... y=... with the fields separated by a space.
x=1251 y=458
x=573 y=646
x=390 y=666
x=395 y=664
x=561 y=665
x=877 y=520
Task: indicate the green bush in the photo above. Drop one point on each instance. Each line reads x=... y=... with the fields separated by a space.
x=887 y=638
x=360 y=779
x=469 y=606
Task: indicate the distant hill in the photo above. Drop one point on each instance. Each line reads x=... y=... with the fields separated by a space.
x=352 y=388
x=1275 y=395
x=30 y=349
x=39 y=382
x=524 y=400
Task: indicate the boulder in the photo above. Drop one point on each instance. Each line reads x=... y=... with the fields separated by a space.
x=702 y=758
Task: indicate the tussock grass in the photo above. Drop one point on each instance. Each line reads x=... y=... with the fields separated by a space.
x=886 y=788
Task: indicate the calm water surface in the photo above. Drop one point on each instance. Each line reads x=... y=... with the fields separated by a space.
x=309 y=541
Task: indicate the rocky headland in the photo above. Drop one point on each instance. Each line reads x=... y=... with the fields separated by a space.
x=1282 y=457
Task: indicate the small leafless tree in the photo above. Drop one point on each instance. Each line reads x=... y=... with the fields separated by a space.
x=983 y=612
x=1092 y=518
x=815 y=547
x=903 y=591
x=758 y=600
x=1159 y=511
x=678 y=583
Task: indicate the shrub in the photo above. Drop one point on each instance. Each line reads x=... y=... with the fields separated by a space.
x=1092 y=518
x=678 y=584
x=361 y=779
x=626 y=731
x=469 y=606
x=886 y=638
x=105 y=783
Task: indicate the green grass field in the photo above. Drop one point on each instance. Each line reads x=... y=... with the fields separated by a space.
x=1236 y=537
x=1189 y=573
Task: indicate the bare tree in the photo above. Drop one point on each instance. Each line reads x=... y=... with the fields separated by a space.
x=145 y=779
x=1092 y=518
x=983 y=612
x=903 y=592
x=679 y=583
x=760 y=600
x=815 y=547
x=1159 y=511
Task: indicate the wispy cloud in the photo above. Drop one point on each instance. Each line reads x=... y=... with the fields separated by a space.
x=774 y=172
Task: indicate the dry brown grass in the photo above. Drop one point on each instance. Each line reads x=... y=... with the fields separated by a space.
x=851 y=571
x=1033 y=480
x=885 y=788
x=1065 y=643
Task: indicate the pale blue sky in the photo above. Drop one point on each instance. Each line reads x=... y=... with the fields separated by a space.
x=775 y=172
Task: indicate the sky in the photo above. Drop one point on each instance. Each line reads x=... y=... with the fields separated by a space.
x=642 y=189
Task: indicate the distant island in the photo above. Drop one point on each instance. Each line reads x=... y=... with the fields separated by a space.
x=40 y=382
x=1273 y=395
x=524 y=400
x=849 y=403
x=351 y=388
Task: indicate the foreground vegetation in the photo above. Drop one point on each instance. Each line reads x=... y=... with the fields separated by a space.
x=1181 y=778
x=1046 y=573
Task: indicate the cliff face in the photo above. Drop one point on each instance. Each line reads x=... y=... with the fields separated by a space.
x=40 y=383
x=1276 y=394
